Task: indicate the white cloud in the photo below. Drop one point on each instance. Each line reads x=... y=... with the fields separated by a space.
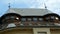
x=53 y=5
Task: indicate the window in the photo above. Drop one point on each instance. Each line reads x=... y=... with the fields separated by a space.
x=12 y=17
x=23 y=19
x=40 y=19
x=35 y=19
x=7 y=17
x=42 y=32
x=47 y=18
x=52 y=17
x=29 y=19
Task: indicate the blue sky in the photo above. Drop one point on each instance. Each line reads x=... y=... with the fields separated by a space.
x=53 y=5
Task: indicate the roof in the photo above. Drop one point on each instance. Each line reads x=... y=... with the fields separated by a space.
x=29 y=11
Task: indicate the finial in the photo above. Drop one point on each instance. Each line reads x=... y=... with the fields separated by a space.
x=9 y=6
x=45 y=6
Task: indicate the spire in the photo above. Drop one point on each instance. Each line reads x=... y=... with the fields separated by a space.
x=45 y=6
x=9 y=6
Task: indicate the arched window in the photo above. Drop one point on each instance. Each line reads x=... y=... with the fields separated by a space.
x=51 y=17
x=11 y=18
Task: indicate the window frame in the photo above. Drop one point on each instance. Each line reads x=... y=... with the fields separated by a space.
x=42 y=32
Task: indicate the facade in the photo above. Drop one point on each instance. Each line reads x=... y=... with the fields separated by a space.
x=29 y=21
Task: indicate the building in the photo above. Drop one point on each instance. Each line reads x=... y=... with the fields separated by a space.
x=30 y=21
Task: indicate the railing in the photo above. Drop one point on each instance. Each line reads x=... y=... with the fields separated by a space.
x=31 y=23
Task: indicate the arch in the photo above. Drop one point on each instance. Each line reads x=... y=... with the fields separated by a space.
x=10 y=17
x=52 y=17
x=10 y=14
x=52 y=14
